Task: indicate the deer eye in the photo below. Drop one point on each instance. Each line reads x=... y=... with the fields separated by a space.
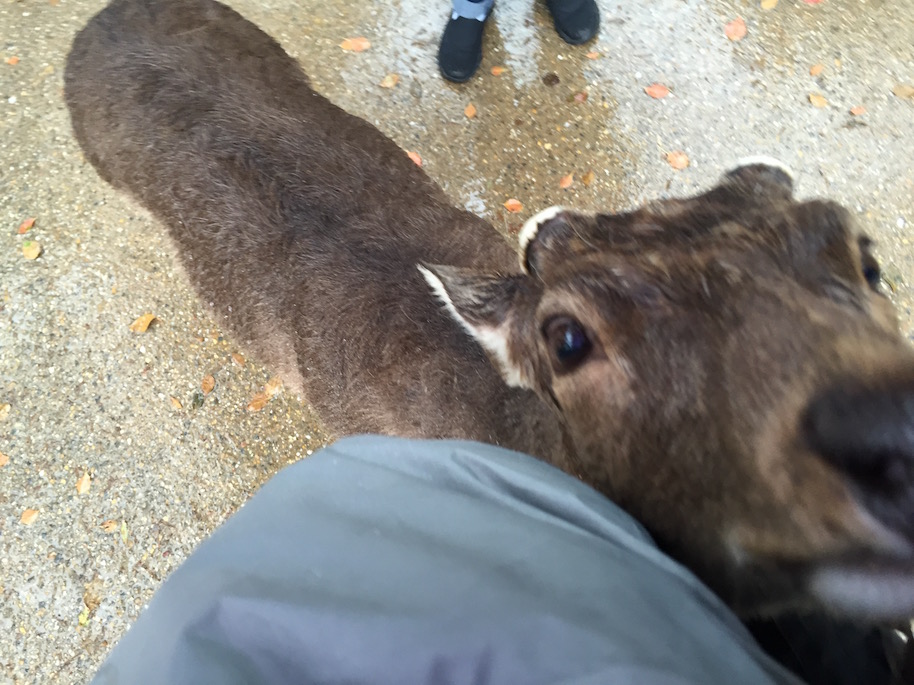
x=567 y=341
x=870 y=267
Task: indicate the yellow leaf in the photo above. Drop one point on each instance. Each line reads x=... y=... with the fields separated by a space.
x=470 y=111
x=124 y=531
x=390 y=81
x=83 y=483
x=142 y=323
x=4 y=460
x=4 y=410
x=31 y=249
x=735 y=30
x=903 y=91
x=417 y=160
x=818 y=100
x=28 y=517
x=513 y=206
x=587 y=178
x=175 y=402
x=566 y=181
x=769 y=4
x=498 y=71
x=238 y=359
x=678 y=159
x=816 y=69
x=359 y=44
x=207 y=384
x=84 y=616
x=109 y=526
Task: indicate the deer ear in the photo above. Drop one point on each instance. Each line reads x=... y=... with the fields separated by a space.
x=485 y=306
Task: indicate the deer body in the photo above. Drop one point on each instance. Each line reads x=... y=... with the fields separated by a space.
x=705 y=362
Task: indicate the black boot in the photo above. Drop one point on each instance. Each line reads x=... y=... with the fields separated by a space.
x=460 y=51
x=576 y=21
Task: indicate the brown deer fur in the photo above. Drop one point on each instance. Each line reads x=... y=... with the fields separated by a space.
x=705 y=362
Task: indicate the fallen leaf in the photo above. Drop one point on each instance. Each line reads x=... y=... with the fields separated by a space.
x=390 y=81
x=175 y=402
x=736 y=29
x=566 y=181
x=238 y=359
x=12 y=61
x=31 y=249
x=903 y=91
x=816 y=69
x=258 y=402
x=812 y=2
x=142 y=323
x=587 y=178
x=470 y=111
x=498 y=71
x=769 y=4
x=273 y=386
x=593 y=54
x=207 y=384
x=818 y=100
x=109 y=526
x=417 y=160
x=657 y=91
x=4 y=410
x=83 y=483
x=124 y=531
x=678 y=159
x=83 y=617
x=551 y=79
x=92 y=595
x=360 y=44
x=26 y=225
x=28 y=517
x=858 y=110
x=4 y=460
x=196 y=400
x=513 y=206
x=580 y=97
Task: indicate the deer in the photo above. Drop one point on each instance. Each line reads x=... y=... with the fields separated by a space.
x=724 y=367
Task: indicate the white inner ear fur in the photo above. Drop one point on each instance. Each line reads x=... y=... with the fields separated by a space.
x=765 y=160
x=491 y=338
x=530 y=228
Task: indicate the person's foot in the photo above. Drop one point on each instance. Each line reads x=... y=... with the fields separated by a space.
x=460 y=51
x=576 y=21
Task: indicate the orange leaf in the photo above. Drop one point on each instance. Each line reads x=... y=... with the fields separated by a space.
x=816 y=69
x=513 y=206
x=141 y=324
x=4 y=460
x=175 y=402
x=390 y=81
x=593 y=54
x=12 y=61
x=657 y=91
x=580 y=97
x=26 y=225
x=258 y=402
x=736 y=29
x=417 y=160
x=28 y=517
x=31 y=249
x=858 y=110
x=273 y=386
x=566 y=181
x=498 y=71
x=818 y=100
x=470 y=111
x=238 y=359
x=587 y=178
x=83 y=483
x=207 y=384
x=359 y=44
x=678 y=159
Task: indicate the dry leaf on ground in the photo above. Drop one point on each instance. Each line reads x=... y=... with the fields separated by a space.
x=513 y=205
x=417 y=160
x=593 y=54
x=31 y=249
x=273 y=386
x=175 y=402
x=390 y=81
x=359 y=44
x=498 y=71
x=13 y=60
x=818 y=100
x=769 y=4
x=903 y=90
x=4 y=460
x=5 y=408
x=858 y=110
x=238 y=359
x=110 y=526
x=207 y=384
x=83 y=483
x=124 y=531
x=587 y=178
x=258 y=402
x=142 y=323
x=566 y=181
x=470 y=111
x=26 y=225
x=28 y=517
x=816 y=69
x=657 y=91
x=580 y=97
x=812 y=2
x=678 y=159
x=736 y=29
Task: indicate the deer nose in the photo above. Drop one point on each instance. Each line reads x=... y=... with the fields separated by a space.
x=866 y=432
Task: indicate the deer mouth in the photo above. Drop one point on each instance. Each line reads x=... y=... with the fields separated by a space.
x=876 y=588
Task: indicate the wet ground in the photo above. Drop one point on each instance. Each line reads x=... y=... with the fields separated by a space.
x=167 y=463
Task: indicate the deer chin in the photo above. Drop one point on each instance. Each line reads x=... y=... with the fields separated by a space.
x=877 y=588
